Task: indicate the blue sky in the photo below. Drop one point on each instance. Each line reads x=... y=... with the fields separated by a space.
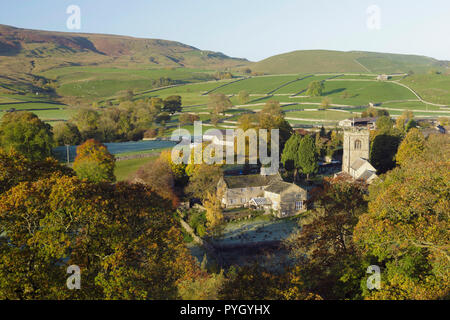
x=253 y=29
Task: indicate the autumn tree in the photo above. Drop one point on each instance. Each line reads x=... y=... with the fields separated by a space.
x=102 y=228
x=273 y=108
x=16 y=168
x=214 y=214
x=158 y=175
x=94 y=162
x=219 y=103
x=325 y=256
x=27 y=134
x=411 y=147
x=203 y=180
x=406 y=229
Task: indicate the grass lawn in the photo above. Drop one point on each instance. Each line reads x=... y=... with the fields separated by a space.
x=125 y=168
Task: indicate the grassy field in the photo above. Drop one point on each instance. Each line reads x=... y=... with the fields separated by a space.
x=257 y=85
x=431 y=87
x=357 y=89
x=100 y=82
x=126 y=168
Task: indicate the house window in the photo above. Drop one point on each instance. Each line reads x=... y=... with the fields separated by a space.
x=298 y=205
x=357 y=144
x=244 y=200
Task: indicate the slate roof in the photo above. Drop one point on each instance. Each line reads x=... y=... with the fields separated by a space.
x=279 y=186
x=358 y=163
x=366 y=175
x=252 y=180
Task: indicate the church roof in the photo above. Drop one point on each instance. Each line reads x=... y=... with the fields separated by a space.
x=358 y=163
x=366 y=175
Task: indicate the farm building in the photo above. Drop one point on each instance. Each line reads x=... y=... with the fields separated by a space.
x=383 y=77
x=359 y=122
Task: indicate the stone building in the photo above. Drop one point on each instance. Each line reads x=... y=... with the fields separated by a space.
x=268 y=192
x=355 y=160
x=285 y=198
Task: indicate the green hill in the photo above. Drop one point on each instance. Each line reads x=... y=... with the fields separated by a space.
x=316 y=61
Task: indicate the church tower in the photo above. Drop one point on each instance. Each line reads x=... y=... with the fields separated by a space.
x=356 y=145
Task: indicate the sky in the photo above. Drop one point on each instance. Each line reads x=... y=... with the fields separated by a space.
x=254 y=29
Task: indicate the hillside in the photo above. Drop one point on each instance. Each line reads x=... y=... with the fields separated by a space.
x=315 y=61
x=25 y=54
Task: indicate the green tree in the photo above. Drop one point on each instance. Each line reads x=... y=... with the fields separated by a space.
x=243 y=97
x=94 y=162
x=172 y=104
x=87 y=121
x=307 y=156
x=315 y=89
x=290 y=154
x=27 y=134
x=65 y=133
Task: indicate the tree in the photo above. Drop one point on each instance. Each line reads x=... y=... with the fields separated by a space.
x=290 y=154
x=324 y=253
x=86 y=120
x=102 y=228
x=307 y=156
x=94 y=162
x=66 y=133
x=383 y=149
x=214 y=215
x=27 y=134
x=243 y=97
x=188 y=118
x=159 y=177
x=325 y=104
x=406 y=229
x=384 y=124
x=411 y=147
x=219 y=103
x=16 y=168
x=172 y=104
x=315 y=89
x=273 y=108
x=203 y=180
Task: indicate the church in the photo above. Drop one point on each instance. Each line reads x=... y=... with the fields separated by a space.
x=355 y=160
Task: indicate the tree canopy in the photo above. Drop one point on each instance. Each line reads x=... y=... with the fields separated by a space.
x=27 y=134
x=94 y=162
